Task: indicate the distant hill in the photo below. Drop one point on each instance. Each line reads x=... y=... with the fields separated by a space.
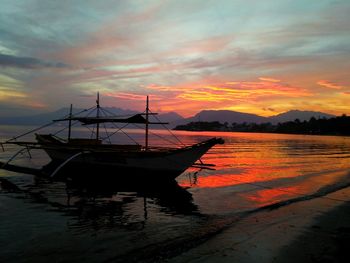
x=42 y=118
x=169 y=117
x=297 y=114
x=230 y=117
x=333 y=126
x=223 y=116
x=36 y=119
x=175 y=119
x=12 y=111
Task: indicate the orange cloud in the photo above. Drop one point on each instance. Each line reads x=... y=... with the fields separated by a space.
x=37 y=105
x=214 y=94
x=269 y=79
x=131 y=96
x=227 y=91
x=18 y=97
x=10 y=94
x=330 y=85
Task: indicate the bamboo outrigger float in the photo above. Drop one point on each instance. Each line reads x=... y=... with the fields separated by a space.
x=81 y=154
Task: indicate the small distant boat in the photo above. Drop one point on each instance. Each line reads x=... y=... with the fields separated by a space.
x=94 y=154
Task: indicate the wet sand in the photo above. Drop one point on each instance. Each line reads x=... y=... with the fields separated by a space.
x=316 y=230
x=327 y=240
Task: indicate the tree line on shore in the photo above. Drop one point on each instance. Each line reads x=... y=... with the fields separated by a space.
x=333 y=126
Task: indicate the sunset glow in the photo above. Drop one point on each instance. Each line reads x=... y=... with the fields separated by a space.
x=259 y=58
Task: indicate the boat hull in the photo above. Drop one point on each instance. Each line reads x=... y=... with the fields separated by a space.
x=139 y=164
x=107 y=173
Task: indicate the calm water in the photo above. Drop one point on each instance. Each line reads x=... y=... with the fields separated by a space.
x=67 y=223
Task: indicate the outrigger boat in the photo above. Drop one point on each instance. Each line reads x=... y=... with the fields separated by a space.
x=97 y=156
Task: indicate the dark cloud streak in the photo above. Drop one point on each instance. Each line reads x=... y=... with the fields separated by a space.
x=28 y=62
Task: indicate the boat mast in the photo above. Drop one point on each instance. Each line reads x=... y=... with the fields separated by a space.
x=98 y=115
x=146 y=135
x=70 y=122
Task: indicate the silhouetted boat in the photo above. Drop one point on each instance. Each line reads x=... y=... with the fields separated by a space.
x=136 y=161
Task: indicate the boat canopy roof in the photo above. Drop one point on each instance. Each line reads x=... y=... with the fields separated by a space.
x=137 y=118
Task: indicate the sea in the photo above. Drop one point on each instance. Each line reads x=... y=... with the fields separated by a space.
x=44 y=220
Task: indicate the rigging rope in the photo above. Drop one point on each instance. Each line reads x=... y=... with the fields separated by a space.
x=55 y=134
x=104 y=125
x=119 y=129
x=43 y=126
x=31 y=131
x=169 y=130
x=159 y=136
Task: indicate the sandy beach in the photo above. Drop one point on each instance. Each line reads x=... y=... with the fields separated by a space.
x=316 y=230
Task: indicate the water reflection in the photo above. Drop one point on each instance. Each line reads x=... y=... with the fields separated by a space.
x=114 y=203
x=259 y=169
x=101 y=219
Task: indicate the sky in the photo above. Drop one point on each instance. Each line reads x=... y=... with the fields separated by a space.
x=262 y=57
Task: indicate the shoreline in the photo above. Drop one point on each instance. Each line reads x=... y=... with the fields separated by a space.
x=327 y=240
x=307 y=134
x=316 y=230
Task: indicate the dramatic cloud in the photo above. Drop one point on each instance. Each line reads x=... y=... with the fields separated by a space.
x=220 y=95
x=187 y=55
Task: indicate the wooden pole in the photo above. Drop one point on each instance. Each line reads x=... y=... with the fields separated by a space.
x=98 y=115
x=146 y=135
x=70 y=122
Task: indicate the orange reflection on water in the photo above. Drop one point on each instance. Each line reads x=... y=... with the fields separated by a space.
x=250 y=176
x=242 y=161
x=270 y=196
x=304 y=187
x=268 y=168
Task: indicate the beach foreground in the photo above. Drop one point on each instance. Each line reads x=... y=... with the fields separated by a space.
x=271 y=198
x=316 y=230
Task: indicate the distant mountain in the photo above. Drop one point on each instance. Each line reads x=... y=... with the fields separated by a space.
x=36 y=119
x=173 y=118
x=297 y=114
x=223 y=116
x=230 y=117
x=168 y=117
x=42 y=118
x=7 y=111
